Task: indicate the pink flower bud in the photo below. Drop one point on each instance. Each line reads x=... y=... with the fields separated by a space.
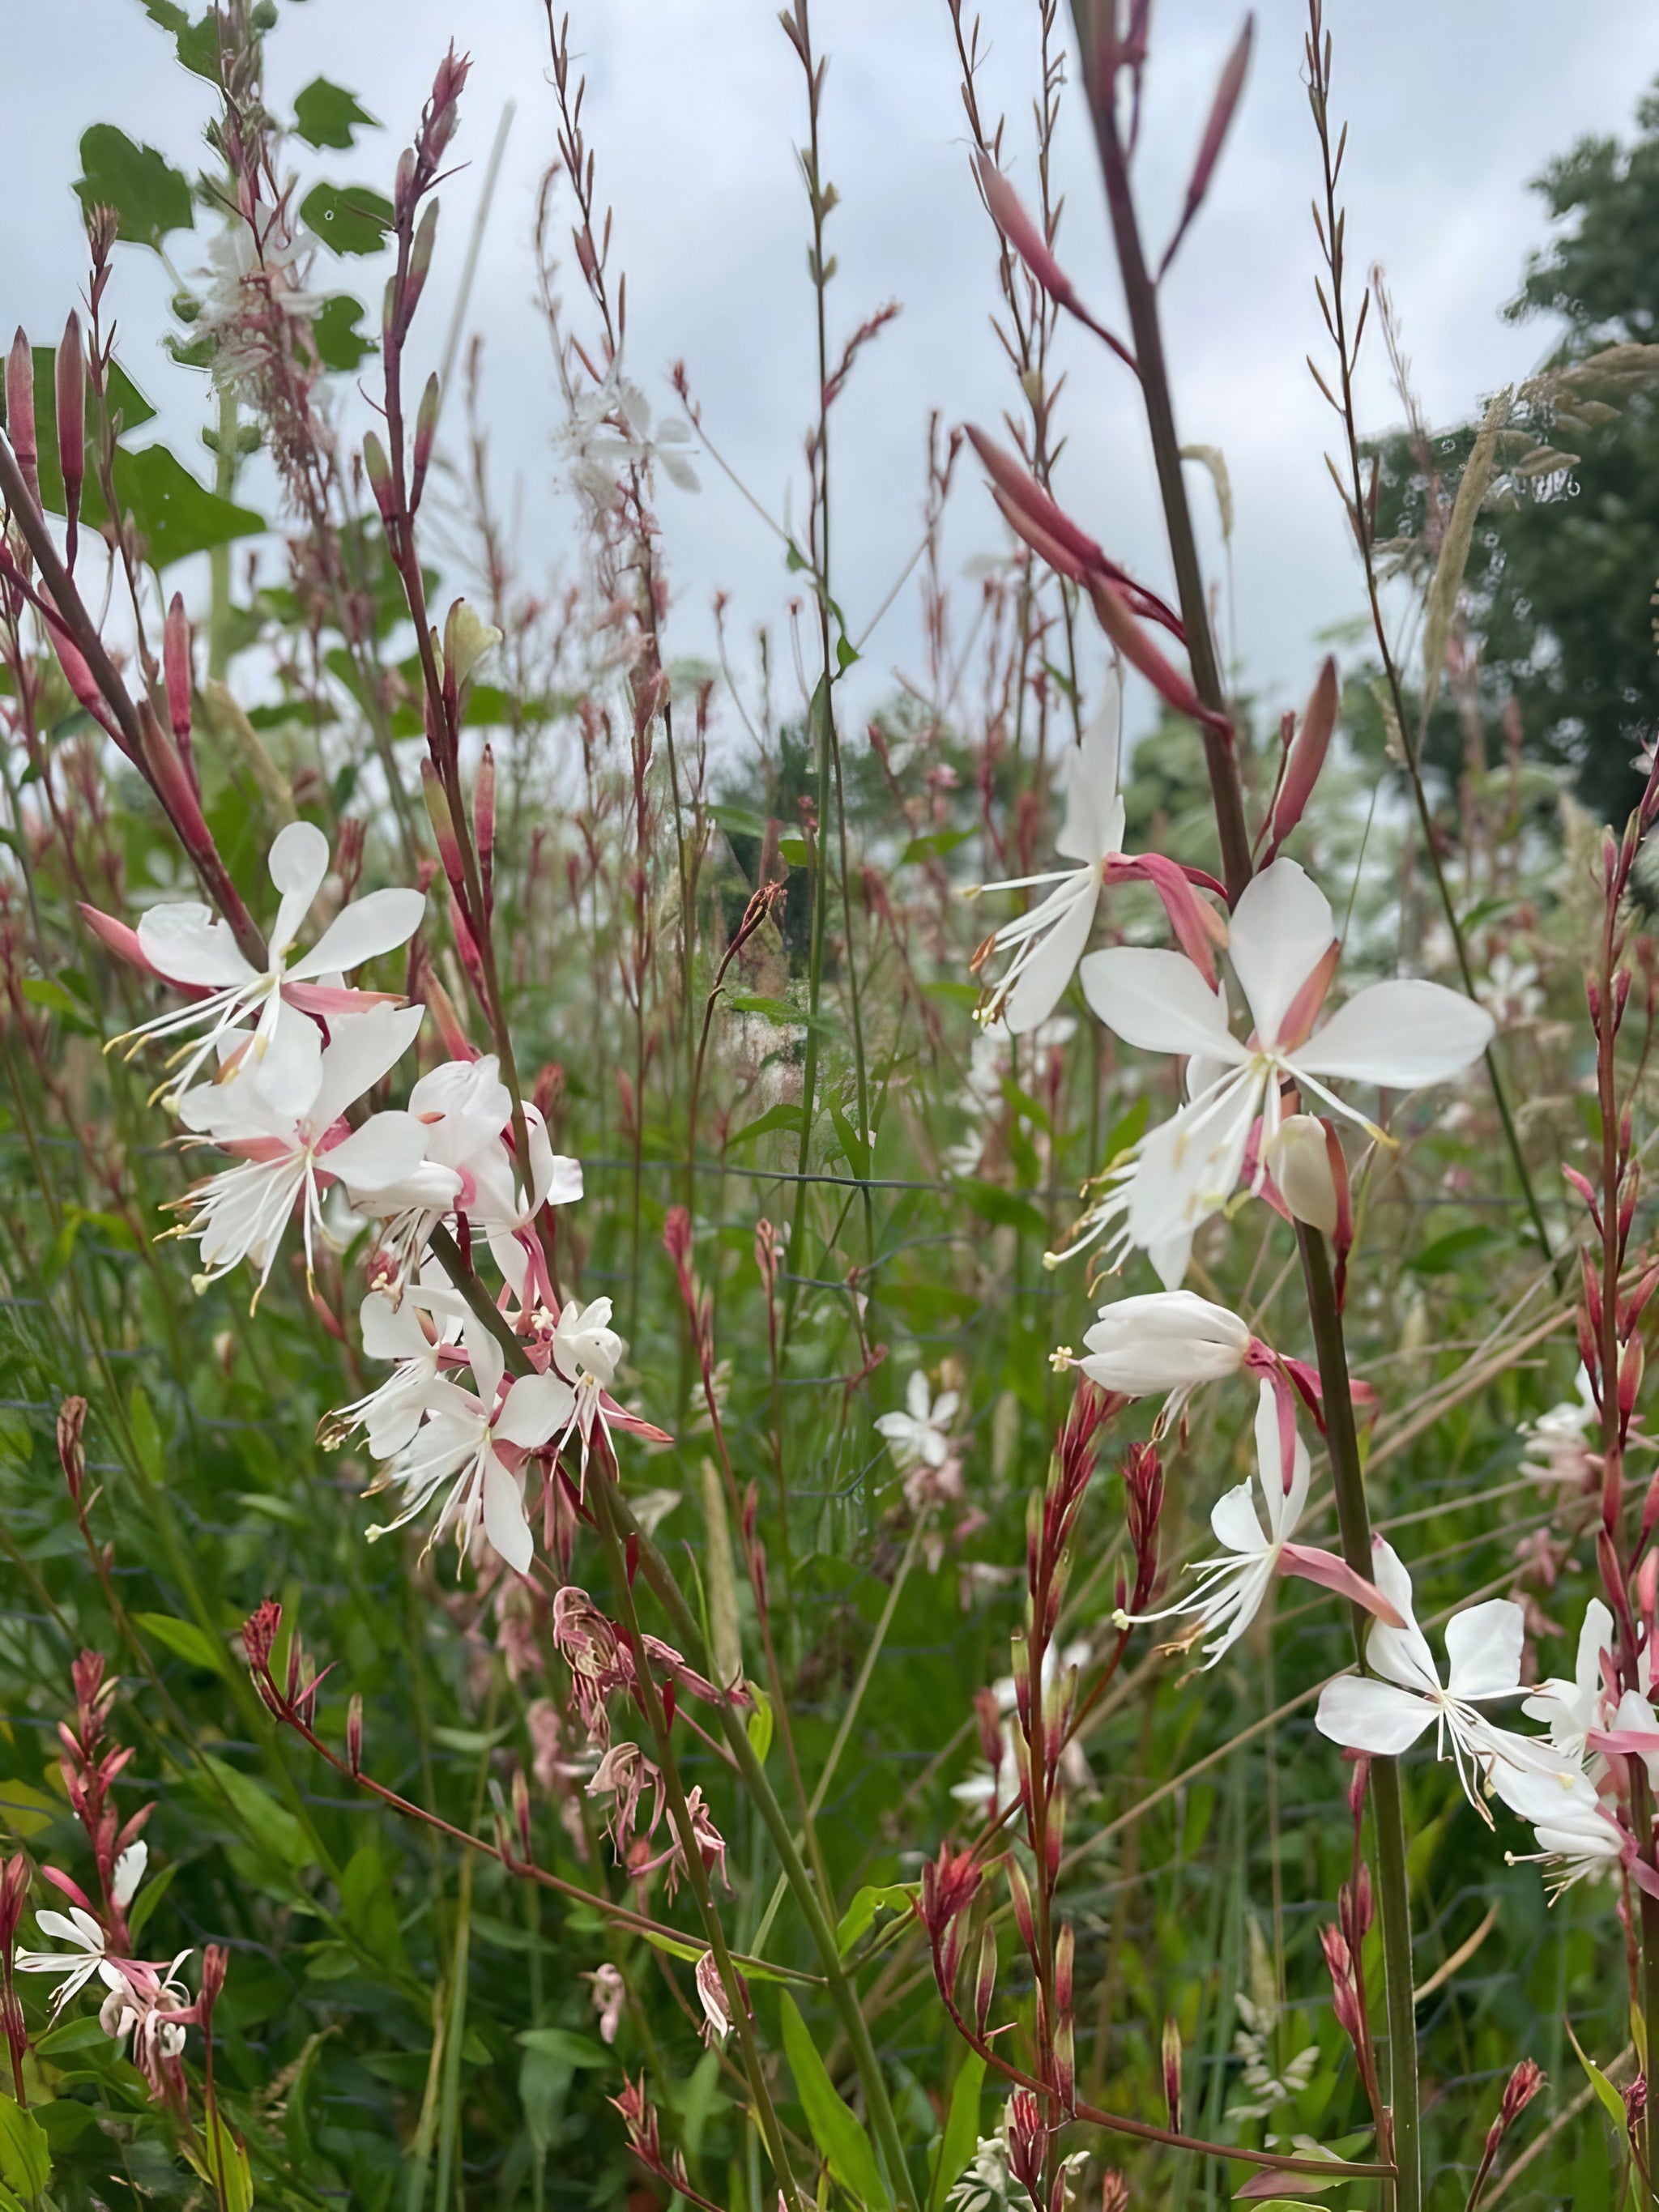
x=71 y=396
x=19 y=412
x=1307 y=753
x=1170 y=2053
x=175 y=667
x=426 y=430
x=378 y=470
x=1126 y=634
x=354 y=1733
x=1215 y=133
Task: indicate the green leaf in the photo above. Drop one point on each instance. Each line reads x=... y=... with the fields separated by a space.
x=792 y=851
x=929 y=848
x=184 y=1640
x=853 y=1147
x=25 y=2156
x=1128 y=1130
x=273 y=1826
x=759 y=1724
x=146 y=1437
x=782 y=1116
x=836 y=2129
x=846 y=653
x=47 y=991
x=339 y=342
x=176 y=515
x=198 y=43
x=148 y=1898
x=884 y=1897
x=1448 y=1252
x=74 y=2035
x=739 y=821
x=25 y=1810
x=953 y=994
x=564 y=2044
x=221 y=2162
x=1004 y=1209
x=956 y=2145
x=776 y=1010
x=325 y=114
x=347 y=218
x=148 y=195
x=1612 y=2102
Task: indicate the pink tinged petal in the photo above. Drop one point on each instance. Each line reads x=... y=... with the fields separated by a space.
x=1281 y=1457
x=1371 y=1716
x=1048 y=967
x=329 y=1000
x=364 y=930
x=299 y=862
x=1305 y=1008
x=364 y=1048
x=1157 y=1002
x=534 y=1408
x=188 y=944
x=1314 y=1565
x=1400 y=1034
x=1094 y=812
x=1197 y=931
x=387 y=1149
x=1280 y=930
x=503 y=1516
x=1483 y=1649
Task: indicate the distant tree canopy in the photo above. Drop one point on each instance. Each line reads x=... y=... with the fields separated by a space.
x=1564 y=559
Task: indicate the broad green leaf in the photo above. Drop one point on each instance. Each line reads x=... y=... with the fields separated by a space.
x=47 y=991
x=339 y=342
x=176 y=515
x=853 y=1147
x=148 y=195
x=197 y=42
x=846 y=653
x=325 y=114
x=125 y=400
x=738 y=822
x=148 y=1898
x=25 y=1810
x=884 y=1897
x=347 y=218
x=952 y=993
x=273 y=1826
x=775 y=1010
x=933 y=847
x=835 y=2127
x=221 y=2162
x=782 y=1116
x=564 y=2044
x=185 y=1641
x=759 y=1724
x=25 y=2155
x=74 y=2035
x=792 y=851
x=956 y=2145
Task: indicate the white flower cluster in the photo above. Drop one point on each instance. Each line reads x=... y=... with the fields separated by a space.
x=274 y=1070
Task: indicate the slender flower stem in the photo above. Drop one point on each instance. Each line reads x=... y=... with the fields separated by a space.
x=1393 y=1897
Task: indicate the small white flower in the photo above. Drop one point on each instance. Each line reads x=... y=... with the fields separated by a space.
x=82 y=1963
x=609 y=432
x=1557 y=1450
x=187 y=944
x=1385 y=1712
x=1572 y=1709
x=1164 y=1341
x=920 y=1435
x=1398 y=1035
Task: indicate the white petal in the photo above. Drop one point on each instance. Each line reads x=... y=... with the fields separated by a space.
x=1594 y=1637
x=1370 y=1716
x=1050 y=966
x=1164 y=1341
x=1401 y=1654
x=77 y=1926
x=1188 y=1165
x=128 y=1872
x=288 y=1071
x=1280 y=930
x=535 y=1405
x=299 y=861
x=503 y=1516
x=188 y=944
x=1094 y=813
x=1172 y=1256
x=1157 y=1001
x=1284 y=1508
x=388 y=1148
x=391 y=1332
x=1398 y=1035
x=489 y=1361
x=1483 y=1649
x=1236 y=1523
x=363 y=931
x=364 y=1048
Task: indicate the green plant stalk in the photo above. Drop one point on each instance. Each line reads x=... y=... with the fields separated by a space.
x=224 y=484
x=1393 y=1896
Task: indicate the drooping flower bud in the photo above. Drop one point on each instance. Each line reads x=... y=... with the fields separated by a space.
x=175 y=667
x=377 y=469
x=1299 y=1158
x=70 y=383
x=426 y=430
x=467 y=638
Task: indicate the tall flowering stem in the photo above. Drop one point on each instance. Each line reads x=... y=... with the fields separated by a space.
x=1107 y=61
x=1393 y=1897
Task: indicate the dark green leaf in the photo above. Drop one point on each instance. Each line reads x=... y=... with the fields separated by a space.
x=846 y=653
x=184 y=1640
x=272 y=1826
x=25 y=2159
x=854 y=1149
x=563 y=2043
x=928 y=848
x=347 y=218
x=325 y=114
x=885 y=1897
x=784 y=1116
x=198 y=43
x=1005 y=1209
x=176 y=516
x=738 y=822
x=836 y=2129
x=148 y=195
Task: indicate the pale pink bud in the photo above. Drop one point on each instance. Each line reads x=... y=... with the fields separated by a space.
x=1307 y=755
x=1137 y=649
x=175 y=666
x=1022 y=234
x=378 y=470
x=1215 y=133
x=71 y=395
x=354 y=1733
x=1298 y=1159
x=1171 y=2058
x=19 y=412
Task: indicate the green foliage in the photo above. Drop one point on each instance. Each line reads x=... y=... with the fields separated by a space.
x=147 y=193
x=326 y=115
x=347 y=218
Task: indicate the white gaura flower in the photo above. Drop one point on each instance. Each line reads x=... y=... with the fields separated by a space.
x=1385 y=1712
x=1576 y=1842
x=1398 y=1035
x=287 y=1158
x=84 y=1961
x=414 y=1331
x=586 y=1352
x=187 y=944
x=609 y=432
x=1164 y=1341
x=1558 y=1442
x=473 y=1441
x=920 y=1434
x=1229 y=1589
x=1046 y=941
x=128 y=1872
x=1572 y=1709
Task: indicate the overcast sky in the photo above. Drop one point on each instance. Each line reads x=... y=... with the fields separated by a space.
x=694 y=109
